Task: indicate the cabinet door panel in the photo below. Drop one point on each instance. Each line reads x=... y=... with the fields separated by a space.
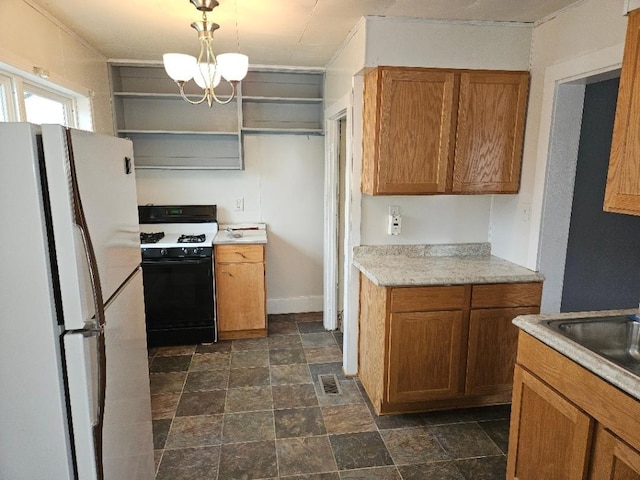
x=240 y=296
x=493 y=341
x=425 y=355
x=491 y=116
x=416 y=125
x=549 y=437
x=622 y=194
x=613 y=459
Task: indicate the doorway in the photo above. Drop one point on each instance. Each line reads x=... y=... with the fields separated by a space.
x=602 y=269
x=566 y=98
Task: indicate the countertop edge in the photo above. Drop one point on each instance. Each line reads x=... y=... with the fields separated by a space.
x=240 y=241
x=452 y=280
x=598 y=365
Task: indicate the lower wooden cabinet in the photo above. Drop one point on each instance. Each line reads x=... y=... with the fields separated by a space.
x=492 y=349
x=567 y=423
x=428 y=348
x=240 y=291
x=434 y=370
x=613 y=459
x=548 y=427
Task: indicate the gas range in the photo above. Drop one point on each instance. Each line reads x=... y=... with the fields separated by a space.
x=178 y=273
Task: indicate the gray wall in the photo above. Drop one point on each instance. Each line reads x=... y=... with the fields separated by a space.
x=603 y=254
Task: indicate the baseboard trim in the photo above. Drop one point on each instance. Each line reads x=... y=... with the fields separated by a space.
x=312 y=303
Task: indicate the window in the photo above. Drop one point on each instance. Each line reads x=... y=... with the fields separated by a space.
x=28 y=100
x=43 y=106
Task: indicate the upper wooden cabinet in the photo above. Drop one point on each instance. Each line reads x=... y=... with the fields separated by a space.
x=408 y=126
x=490 y=131
x=429 y=131
x=622 y=194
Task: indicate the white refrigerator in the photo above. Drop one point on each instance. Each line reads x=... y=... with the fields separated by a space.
x=74 y=381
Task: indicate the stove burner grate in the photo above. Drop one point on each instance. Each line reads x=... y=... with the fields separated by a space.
x=192 y=238
x=154 y=237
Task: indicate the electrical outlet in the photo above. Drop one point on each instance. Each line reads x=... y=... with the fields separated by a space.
x=239 y=205
x=395 y=225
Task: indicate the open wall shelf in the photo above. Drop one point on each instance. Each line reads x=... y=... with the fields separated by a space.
x=169 y=133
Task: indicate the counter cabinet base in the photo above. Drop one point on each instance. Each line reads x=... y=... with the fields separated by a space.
x=389 y=408
x=440 y=347
x=569 y=420
x=240 y=334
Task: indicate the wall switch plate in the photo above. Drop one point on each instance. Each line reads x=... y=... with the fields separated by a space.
x=239 y=205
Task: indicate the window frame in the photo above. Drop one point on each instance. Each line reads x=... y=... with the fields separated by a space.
x=7 y=84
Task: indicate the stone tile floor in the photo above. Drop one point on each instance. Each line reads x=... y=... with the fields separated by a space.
x=254 y=409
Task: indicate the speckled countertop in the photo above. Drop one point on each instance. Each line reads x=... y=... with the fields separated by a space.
x=535 y=325
x=241 y=234
x=451 y=264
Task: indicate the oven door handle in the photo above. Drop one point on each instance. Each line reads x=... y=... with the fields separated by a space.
x=177 y=261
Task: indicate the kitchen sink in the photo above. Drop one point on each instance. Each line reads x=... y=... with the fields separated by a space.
x=616 y=338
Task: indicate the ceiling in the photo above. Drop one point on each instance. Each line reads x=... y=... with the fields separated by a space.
x=270 y=32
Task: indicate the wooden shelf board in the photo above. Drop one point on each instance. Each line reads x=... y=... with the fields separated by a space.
x=302 y=131
x=163 y=96
x=174 y=167
x=255 y=99
x=175 y=132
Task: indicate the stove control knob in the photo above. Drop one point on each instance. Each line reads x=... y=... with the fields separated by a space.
x=163 y=251
x=196 y=250
x=185 y=250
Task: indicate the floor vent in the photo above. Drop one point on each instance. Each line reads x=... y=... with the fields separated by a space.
x=330 y=384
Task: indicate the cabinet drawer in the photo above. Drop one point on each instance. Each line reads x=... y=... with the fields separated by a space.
x=416 y=299
x=506 y=295
x=239 y=253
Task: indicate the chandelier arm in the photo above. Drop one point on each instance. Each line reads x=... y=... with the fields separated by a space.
x=233 y=93
x=187 y=99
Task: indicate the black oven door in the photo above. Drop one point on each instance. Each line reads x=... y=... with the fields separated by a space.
x=178 y=294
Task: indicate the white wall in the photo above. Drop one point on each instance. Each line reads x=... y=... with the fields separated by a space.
x=563 y=49
x=282 y=186
x=29 y=37
x=432 y=43
x=436 y=219
x=346 y=63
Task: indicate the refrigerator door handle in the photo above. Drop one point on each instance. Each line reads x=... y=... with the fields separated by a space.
x=81 y=222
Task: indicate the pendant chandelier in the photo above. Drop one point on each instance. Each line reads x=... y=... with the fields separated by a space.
x=207 y=70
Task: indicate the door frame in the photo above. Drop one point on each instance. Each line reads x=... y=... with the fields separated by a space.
x=331 y=208
x=563 y=101
x=345 y=106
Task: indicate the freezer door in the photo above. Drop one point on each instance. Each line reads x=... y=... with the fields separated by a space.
x=106 y=183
